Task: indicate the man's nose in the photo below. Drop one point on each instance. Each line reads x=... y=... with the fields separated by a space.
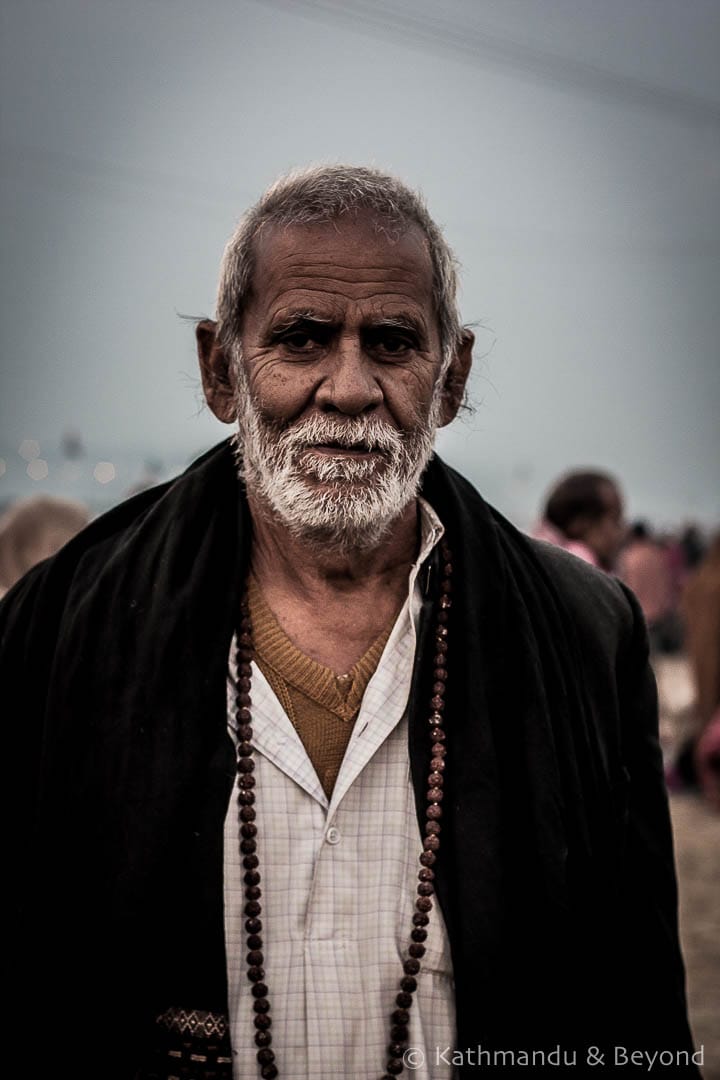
x=350 y=385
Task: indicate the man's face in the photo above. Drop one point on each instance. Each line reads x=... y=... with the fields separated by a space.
x=336 y=379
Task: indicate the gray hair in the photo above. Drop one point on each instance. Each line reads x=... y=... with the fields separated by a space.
x=323 y=193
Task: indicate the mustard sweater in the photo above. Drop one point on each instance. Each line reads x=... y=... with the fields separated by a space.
x=321 y=704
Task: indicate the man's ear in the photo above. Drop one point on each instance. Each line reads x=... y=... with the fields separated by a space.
x=456 y=377
x=215 y=371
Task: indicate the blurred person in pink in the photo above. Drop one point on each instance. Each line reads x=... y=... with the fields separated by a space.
x=700 y=608
x=583 y=514
x=644 y=565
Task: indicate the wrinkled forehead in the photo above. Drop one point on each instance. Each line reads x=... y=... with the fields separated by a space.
x=355 y=257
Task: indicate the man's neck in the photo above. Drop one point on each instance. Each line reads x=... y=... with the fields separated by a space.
x=305 y=566
x=333 y=604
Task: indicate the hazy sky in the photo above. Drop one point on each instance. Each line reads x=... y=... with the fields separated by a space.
x=570 y=149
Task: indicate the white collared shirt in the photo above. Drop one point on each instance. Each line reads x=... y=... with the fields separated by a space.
x=339 y=882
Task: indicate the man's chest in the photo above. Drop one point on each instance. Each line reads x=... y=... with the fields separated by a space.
x=338 y=879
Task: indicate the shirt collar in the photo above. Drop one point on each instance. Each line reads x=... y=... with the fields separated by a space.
x=431 y=530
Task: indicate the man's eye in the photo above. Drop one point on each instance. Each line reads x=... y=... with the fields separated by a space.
x=394 y=344
x=300 y=341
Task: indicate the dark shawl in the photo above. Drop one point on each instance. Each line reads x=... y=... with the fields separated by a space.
x=556 y=872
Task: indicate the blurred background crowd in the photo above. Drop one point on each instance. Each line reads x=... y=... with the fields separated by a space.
x=675 y=576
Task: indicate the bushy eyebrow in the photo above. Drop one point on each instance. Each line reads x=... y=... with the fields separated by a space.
x=291 y=319
x=396 y=322
x=307 y=318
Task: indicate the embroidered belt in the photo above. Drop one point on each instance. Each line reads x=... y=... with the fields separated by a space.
x=190 y=1044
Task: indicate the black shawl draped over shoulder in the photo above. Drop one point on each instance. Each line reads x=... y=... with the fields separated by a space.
x=556 y=871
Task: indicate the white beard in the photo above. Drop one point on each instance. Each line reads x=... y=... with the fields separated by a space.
x=334 y=502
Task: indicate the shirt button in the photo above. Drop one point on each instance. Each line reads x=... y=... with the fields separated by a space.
x=332 y=835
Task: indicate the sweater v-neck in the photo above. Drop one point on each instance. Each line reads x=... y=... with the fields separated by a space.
x=340 y=693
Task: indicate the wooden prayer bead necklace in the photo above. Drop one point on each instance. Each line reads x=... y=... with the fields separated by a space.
x=400 y=1018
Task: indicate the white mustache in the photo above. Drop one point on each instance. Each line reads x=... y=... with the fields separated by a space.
x=361 y=497
x=363 y=433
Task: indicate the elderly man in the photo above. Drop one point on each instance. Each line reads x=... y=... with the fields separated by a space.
x=324 y=770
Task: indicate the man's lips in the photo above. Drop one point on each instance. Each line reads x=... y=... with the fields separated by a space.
x=359 y=451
